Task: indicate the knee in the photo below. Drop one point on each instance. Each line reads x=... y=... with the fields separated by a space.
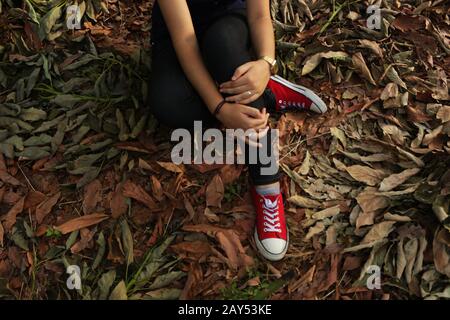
x=227 y=35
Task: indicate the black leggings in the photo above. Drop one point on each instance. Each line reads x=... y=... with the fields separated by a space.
x=225 y=45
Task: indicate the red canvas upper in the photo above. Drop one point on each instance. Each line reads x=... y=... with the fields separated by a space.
x=270 y=218
x=287 y=97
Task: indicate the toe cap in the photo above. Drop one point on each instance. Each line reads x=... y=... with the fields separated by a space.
x=319 y=107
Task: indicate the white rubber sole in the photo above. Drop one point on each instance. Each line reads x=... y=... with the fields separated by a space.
x=270 y=255
x=318 y=105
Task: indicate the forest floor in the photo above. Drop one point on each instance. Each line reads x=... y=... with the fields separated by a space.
x=86 y=178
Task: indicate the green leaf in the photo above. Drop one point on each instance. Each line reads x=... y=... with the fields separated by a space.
x=16 y=141
x=32 y=79
x=105 y=282
x=19 y=239
x=7 y=150
x=47 y=125
x=123 y=134
x=20 y=90
x=40 y=140
x=83 y=61
x=3 y=78
x=32 y=13
x=33 y=153
x=101 y=250
x=127 y=241
x=72 y=238
x=88 y=177
x=33 y=114
x=65 y=100
x=59 y=135
x=163 y=294
x=166 y=279
x=119 y=292
x=48 y=21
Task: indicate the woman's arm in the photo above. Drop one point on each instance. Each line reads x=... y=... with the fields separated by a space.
x=254 y=76
x=179 y=23
x=260 y=23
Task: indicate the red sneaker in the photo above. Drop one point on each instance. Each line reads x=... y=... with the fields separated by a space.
x=291 y=96
x=271 y=235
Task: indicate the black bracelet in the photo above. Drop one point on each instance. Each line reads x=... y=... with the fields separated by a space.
x=219 y=106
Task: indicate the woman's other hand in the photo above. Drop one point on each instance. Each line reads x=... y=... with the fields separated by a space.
x=248 y=82
x=239 y=116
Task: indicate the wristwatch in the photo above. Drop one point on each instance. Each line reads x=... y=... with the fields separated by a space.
x=272 y=62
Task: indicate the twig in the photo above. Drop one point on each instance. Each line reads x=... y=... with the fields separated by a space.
x=26 y=178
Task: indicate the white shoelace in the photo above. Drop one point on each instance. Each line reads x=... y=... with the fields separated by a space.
x=271 y=218
x=284 y=104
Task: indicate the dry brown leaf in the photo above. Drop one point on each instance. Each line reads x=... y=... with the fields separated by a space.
x=195 y=276
x=390 y=91
x=378 y=232
x=118 y=202
x=138 y=193
x=230 y=243
x=441 y=249
x=81 y=222
x=370 y=201
x=46 y=207
x=326 y=213
x=395 y=180
x=215 y=192
x=408 y=23
x=195 y=247
x=304 y=202
x=170 y=166
x=361 y=67
x=372 y=45
x=367 y=175
x=205 y=228
x=33 y=198
x=2 y=234
x=157 y=189
x=230 y=173
x=9 y=179
x=443 y=114
x=92 y=196
x=10 y=218
x=85 y=238
x=316 y=229
x=366 y=218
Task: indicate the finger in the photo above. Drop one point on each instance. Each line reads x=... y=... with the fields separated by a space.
x=241 y=96
x=240 y=71
x=242 y=81
x=258 y=123
x=235 y=90
x=252 y=112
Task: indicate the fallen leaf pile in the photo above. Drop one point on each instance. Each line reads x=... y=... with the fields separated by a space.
x=86 y=177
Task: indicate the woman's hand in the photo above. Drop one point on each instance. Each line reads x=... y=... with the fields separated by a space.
x=239 y=116
x=248 y=82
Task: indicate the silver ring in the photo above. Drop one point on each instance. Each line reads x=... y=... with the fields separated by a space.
x=249 y=93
